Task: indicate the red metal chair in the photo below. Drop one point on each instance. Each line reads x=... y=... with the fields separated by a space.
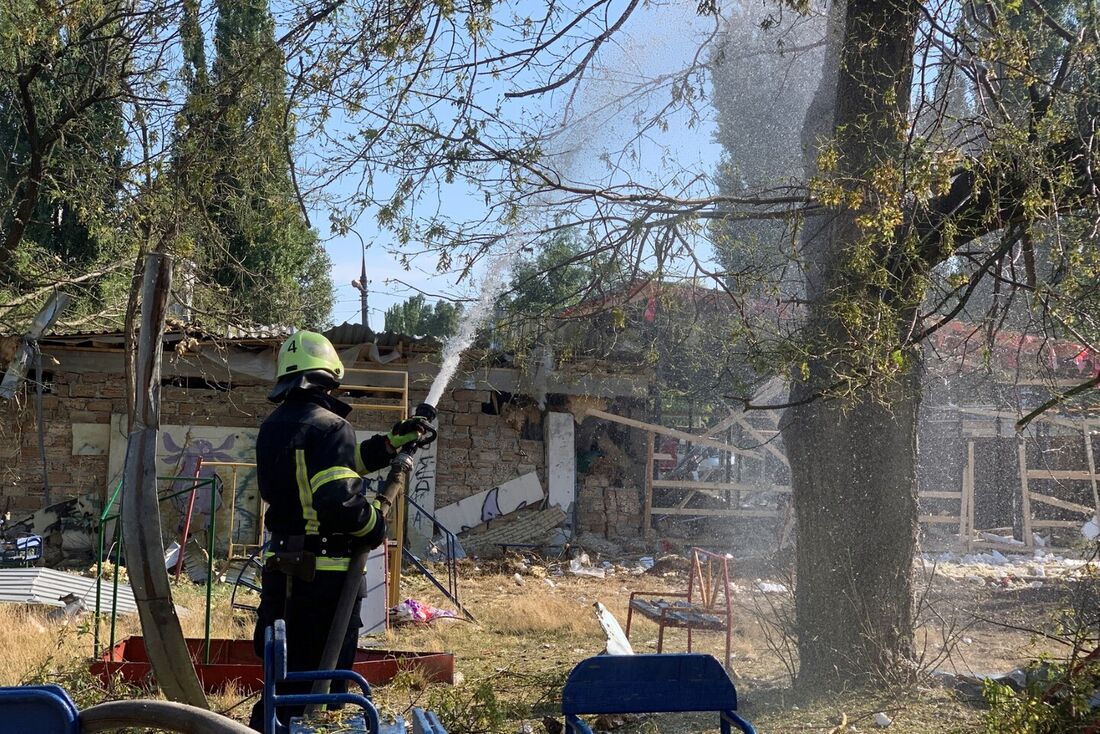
x=706 y=605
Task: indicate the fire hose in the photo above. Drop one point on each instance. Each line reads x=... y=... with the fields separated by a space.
x=400 y=467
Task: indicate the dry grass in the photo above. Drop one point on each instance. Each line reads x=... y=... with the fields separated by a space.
x=515 y=658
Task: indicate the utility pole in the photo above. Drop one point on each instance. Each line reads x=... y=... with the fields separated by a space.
x=361 y=286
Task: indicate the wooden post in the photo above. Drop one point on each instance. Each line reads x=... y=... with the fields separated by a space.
x=967 y=509
x=164 y=642
x=1092 y=467
x=1025 y=494
x=647 y=505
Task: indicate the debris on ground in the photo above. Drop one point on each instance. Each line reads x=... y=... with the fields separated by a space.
x=47 y=586
x=996 y=569
x=881 y=720
x=412 y=611
x=770 y=587
x=617 y=643
x=582 y=566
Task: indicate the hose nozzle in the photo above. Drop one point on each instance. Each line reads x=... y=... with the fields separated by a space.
x=426 y=410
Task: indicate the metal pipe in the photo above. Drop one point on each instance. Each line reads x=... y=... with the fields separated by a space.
x=102 y=543
x=210 y=564
x=187 y=520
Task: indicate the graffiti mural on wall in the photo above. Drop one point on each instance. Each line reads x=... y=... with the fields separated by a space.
x=178 y=455
x=422 y=492
x=505 y=498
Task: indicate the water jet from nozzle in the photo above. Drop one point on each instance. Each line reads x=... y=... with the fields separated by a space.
x=472 y=319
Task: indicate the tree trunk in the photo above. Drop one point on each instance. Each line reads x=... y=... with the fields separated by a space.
x=853 y=458
x=853 y=469
x=141 y=529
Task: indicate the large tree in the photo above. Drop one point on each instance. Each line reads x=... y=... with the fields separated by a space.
x=416 y=317
x=251 y=239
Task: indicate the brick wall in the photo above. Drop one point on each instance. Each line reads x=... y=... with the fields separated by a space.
x=485 y=439
x=94 y=398
x=478 y=451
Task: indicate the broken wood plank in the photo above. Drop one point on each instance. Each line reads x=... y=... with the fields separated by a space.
x=648 y=490
x=940 y=495
x=1070 y=474
x=1056 y=523
x=763 y=440
x=1025 y=492
x=734 y=486
x=939 y=519
x=1055 y=502
x=711 y=512
x=141 y=528
x=681 y=435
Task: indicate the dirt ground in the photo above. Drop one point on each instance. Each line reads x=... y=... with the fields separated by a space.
x=529 y=633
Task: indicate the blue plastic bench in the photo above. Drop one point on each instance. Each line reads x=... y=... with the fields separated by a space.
x=643 y=684
x=45 y=709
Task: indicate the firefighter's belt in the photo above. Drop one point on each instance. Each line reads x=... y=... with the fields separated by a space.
x=289 y=556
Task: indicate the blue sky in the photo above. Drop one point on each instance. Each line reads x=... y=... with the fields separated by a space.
x=657 y=39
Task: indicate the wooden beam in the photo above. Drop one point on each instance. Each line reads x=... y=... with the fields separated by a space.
x=681 y=435
x=966 y=505
x=709 y=512
x=1092 y=468
x=1056 y=523
x=141 y=528
x=647 y=505
x=1025 y=492
x=1013 y=417
x=1055 y=502
x=940 y=495
x=939 y=519
x=763 y=440
x=1069 y=474
x=735 y=486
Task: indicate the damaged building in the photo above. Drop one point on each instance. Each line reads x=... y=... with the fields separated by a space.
x=504 y=471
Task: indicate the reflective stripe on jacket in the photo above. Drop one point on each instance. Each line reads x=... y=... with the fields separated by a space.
x=308 y=470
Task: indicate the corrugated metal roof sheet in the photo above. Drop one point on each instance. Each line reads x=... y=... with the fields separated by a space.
x=47 y=586
x=344 y=334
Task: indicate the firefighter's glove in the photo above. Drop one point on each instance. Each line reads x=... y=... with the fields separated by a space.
x=407 y=431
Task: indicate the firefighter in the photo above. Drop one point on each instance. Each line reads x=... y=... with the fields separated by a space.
x=309 y=469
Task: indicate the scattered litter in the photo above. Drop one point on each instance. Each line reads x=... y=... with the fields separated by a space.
x=439 y=551
x=971 y=685
x=459 y=678
x=968 y=641
x=518 y=579
x=881 y=720
x=525 y=728
x=1091 y=529
x=72 y=607
x=550 y=583
x=1002 y=539
x=617 y=644
x=412 y=611
x=1005 y=570
x=770 y=587
x=580 y=567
